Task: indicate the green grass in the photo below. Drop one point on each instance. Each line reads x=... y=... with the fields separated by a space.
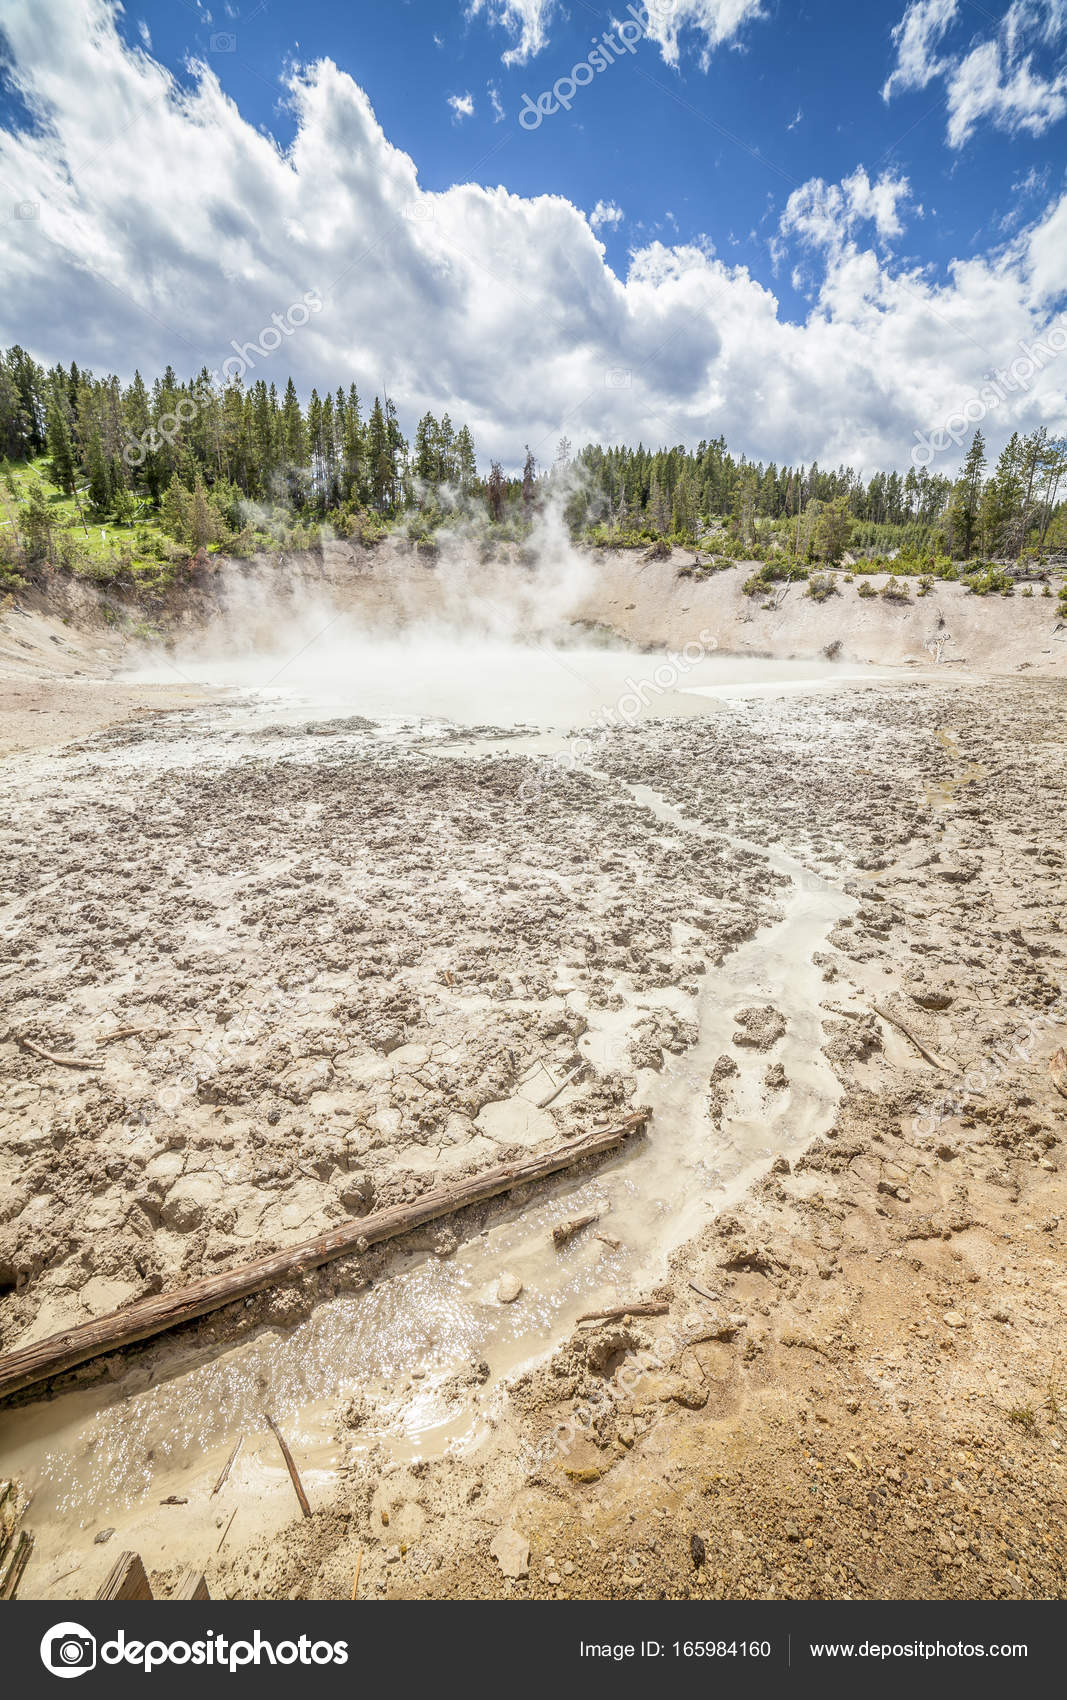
x=98 y=541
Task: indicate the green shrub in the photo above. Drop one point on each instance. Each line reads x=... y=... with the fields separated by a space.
x=820 y=586
x=868 y=590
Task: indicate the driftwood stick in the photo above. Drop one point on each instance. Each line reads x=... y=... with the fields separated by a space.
x=355 y=1579
x=161 y=1311
x=703 y=1291
x=543 y=1103
x=919 y=1046
x=52 y=1057
x=228 y=1466
x=564 y=1231
x=132 y=1032
x=648 y=1307
x=294 y=1475
x=226 y=1531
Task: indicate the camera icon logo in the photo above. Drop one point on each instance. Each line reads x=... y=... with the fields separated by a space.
x=68 y=1650
x=223 y=42
x=419 y=212
x=617 y=378
x=27 y=209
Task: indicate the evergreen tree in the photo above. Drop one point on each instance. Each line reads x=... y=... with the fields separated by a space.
x=966 y=499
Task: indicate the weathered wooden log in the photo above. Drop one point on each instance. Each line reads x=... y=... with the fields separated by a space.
x=139 y=1321
x=191 y=1585
x=16 y=1564
x=126 y=1580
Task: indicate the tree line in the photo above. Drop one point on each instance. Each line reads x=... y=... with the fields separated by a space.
x=201 y=456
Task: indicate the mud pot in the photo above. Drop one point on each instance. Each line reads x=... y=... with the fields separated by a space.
x=341 y=934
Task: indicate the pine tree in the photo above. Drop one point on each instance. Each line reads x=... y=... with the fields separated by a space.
x=529 y=475
x=62 y=470
x=494 y=491
x=966 y=499
x=466 y=462
x=38 y=525
x=100 y=486
x=294 y=435
x=174 y=511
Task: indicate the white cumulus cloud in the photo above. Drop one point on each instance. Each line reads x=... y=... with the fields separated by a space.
x=171 y=227
x=712 y=23
x=606 y=213
x=999 y=79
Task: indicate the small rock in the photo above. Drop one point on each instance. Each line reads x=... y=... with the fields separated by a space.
x=512 y=1552
x=103 y=1535
x=697 y=1550
x=508 y=1288
x=392 y=1555
x=953 y=1319
x=553 y=1578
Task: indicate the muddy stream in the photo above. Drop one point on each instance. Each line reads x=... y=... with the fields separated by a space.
x=108 y=1457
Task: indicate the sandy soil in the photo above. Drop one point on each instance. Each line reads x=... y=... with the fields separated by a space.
x=359 y=962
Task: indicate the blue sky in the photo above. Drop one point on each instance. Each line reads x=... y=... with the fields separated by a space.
x=684 y=152
x=817 y=228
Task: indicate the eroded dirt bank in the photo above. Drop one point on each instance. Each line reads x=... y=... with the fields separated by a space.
x=357 y=958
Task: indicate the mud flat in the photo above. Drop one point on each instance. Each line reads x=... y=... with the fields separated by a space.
x=323 y=959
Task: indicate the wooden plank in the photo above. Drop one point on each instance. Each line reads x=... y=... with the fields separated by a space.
x=126 y=1580
x=16 y=1565
x=191 y=1585
x=154 y=1315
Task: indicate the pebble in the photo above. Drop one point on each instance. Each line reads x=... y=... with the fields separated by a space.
x=508 y=1288
x=953 y=1319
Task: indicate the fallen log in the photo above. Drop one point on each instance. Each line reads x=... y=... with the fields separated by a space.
x=154 y=1315
x=919 y=1046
